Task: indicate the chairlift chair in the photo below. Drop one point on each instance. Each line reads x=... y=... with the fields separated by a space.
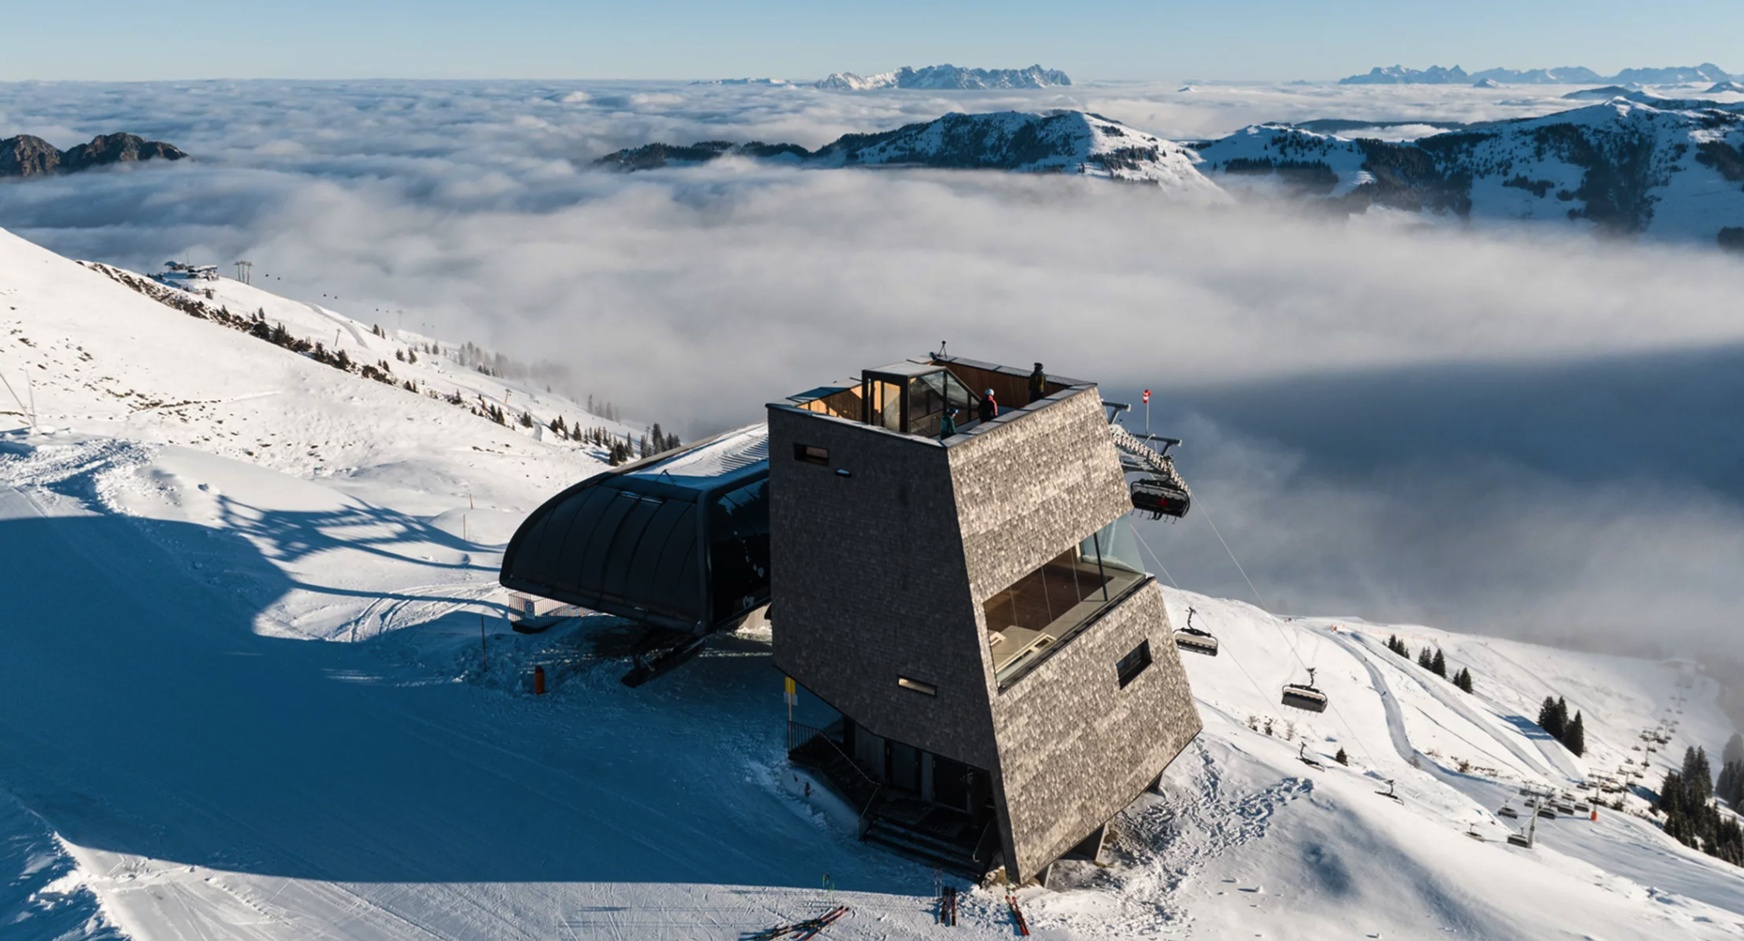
x=1509 y=812
x=1547 y=812
x=1159 y=498
x=1304 y=695
x=1390 y=794
x=1194 y=639
x=1302 y=756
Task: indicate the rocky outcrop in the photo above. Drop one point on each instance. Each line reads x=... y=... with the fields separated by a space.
x=25 y=155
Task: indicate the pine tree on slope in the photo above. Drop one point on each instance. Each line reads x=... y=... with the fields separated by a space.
x=1697 y=776
x=1575 y=736
x=1550 y=719
x=1438 y=665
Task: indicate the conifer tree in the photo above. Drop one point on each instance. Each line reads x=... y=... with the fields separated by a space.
x=1731 y=786
x=1575 y=736
x=1341 y=757
x=1734 y=750
x=1439 y=664
x=1698 y=778
x=1548 y=719
x=1463 y=680
x=1425 y=659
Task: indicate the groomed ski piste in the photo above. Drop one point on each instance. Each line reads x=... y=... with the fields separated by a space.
x=257 y=683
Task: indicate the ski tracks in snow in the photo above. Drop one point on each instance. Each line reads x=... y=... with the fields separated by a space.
x=1168 y=838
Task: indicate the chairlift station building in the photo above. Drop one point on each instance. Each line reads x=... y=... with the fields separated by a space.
x=986 y=669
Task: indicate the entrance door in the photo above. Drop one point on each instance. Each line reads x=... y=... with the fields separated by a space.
x=951 y=783
x=903 y=767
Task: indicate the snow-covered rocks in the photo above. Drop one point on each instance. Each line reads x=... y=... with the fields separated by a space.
x=947 y=78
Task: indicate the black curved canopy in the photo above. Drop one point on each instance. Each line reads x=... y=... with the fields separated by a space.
x=680 y=540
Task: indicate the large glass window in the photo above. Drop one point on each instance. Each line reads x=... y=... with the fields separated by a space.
x=928 y=398
x=1043 y=608
x=739 y=549
x=883 y=403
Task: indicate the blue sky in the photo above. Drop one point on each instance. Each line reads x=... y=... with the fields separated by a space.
x=1114 y=39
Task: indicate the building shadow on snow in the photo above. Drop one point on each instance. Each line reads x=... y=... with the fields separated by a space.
x=141 y=713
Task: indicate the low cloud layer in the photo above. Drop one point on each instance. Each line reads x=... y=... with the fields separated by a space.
x=1517 y=430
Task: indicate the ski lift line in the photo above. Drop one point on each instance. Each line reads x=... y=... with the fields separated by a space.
x=1232 y=558
x=1289 y=641
x=1355 y=739
x=1233 y=658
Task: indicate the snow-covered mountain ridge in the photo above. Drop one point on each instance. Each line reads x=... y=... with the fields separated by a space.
x=1070 y=142
x=1666 y=168
x=947 y=78
x=1633 y=165
x=1564 y=75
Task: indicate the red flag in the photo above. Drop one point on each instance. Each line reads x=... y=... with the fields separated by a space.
x=1147 y=397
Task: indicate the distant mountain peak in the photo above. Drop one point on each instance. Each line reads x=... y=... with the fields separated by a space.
x=27 y=155
x=947 y=77
x=1562 y=75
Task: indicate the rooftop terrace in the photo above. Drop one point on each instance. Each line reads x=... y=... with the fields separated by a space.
x=913 y=397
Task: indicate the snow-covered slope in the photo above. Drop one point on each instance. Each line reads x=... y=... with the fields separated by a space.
x=246 y=695
x=1069 y=142
x=1664 y=168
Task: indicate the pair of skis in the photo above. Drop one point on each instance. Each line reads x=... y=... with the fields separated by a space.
x=948 y=906
x=1017 y=914
x=801 y=930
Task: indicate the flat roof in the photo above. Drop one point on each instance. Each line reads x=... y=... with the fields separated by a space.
x=907 y=367
x=743 y=450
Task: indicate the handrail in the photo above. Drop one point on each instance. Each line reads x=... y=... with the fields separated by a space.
x=981 y=843
x=813 y=732
x=862 y=825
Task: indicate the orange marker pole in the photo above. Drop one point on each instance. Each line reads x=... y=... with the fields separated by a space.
x=538 y=681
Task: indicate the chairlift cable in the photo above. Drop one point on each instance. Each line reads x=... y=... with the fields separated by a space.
x=1288 y=641
x=1264 y=608
x=1355 y=739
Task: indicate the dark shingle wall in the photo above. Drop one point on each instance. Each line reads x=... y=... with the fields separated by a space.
x=1075 y=749
x=869 y=584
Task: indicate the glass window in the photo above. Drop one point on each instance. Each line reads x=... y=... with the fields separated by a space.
x=1117 y=545
x=883 y=403
x=1043 y=608
x=1134 y=663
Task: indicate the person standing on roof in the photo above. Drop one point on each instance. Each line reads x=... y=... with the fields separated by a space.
x=989 y=408
x=1038 y=384
x=948 y=424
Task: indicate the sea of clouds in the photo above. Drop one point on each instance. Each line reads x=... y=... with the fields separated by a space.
x=1515 y=430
